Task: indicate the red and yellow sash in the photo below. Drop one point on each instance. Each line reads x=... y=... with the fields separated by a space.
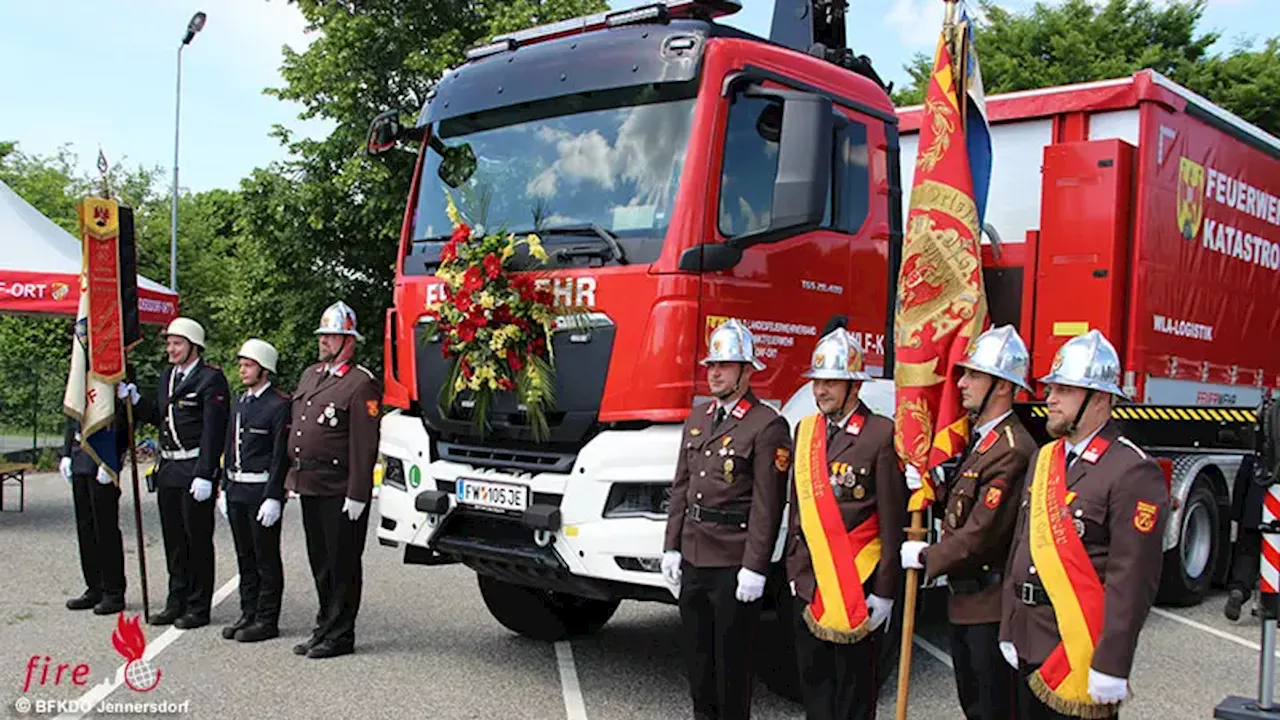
x=1063 y=566
x=842 y=559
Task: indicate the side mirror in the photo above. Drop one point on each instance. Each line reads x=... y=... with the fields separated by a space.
x=384 y=132
x=805 y=147
x=710 y=257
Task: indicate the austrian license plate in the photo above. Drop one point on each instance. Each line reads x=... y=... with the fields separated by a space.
x=495 y=496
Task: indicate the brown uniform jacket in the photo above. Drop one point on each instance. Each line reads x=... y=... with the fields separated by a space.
x=1123 y=543
x=981 y=500
x=876 y=485
x=740 y=465
x=333 y=436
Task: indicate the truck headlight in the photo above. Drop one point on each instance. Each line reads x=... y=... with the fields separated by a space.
x=638 y=500
x=393 y=473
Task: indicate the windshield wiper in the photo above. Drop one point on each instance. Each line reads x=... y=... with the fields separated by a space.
x=589 y=229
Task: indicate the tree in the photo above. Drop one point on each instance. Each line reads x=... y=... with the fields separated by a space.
x=1078 y=41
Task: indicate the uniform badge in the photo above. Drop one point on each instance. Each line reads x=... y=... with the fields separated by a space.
x=372 y=407
x=987 y=442
x=728 y=470
x=782 y=459
x=1071 y=495
x=854 y=426
x=740 y=410
x=859 y=492
x=1144 y=517
x=1096 y=447
x=992 y=500
x=1079 y=526
x=695 y=432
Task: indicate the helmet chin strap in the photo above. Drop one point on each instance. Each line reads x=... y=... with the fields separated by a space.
x=1075 y=424
x=986 y=398
x=736 y=387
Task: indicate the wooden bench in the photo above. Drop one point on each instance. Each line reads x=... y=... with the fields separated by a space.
x=16 y=473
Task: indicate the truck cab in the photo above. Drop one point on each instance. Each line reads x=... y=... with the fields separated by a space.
x=679 y=172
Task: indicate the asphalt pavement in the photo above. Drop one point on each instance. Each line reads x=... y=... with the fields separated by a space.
x=427 y=647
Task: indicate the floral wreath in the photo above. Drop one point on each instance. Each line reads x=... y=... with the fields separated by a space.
x=495 y=325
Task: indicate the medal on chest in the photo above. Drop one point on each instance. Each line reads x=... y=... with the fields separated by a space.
x=329 y=416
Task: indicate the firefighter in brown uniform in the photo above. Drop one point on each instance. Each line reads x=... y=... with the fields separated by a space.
x=846 y=523
x=332 y=448
x=723 y=523
x=981 y=506
x=1086 y=559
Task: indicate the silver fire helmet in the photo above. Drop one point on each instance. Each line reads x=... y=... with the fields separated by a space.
x=732 y=342
x=837 y=356
x=1088 y=361
x=1001 y=353
x=338 y=319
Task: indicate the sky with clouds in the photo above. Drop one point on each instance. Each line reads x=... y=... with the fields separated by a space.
x=57 y=71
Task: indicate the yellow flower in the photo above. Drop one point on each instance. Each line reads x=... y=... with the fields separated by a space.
x=486 y=300
x=452 y=210
x=535 y=247
x=460 y=384
x=493 y=384
x=474 y=384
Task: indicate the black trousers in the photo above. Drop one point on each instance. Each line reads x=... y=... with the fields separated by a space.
x=1029 y=706
x=97 y=510
x=334 y=548
x=1244 y=566
x=984 y=680
x=838 y=680
x=258 y=560
x=187 y=527
x=717 y=635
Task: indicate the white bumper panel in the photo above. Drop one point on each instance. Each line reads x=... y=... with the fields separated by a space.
x=404 y=438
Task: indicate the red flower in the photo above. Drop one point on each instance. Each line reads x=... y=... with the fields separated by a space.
x=444 y=351
x=522 y=324
x=539 y=346
x=492 y=266
x=463 y=301
x=466 y=369
x=449 y=253
x=466 y=331
x=506 y=384
x=472 y=280
x=461 y=233
x=514 y=361
x=477 y=317
x=502 y=314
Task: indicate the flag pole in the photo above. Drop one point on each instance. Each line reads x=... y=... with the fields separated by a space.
x=917 y=530
x=137 y=513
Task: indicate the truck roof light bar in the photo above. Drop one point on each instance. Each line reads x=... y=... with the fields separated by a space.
x=707 y=9
x=500 y=45
x=657 y=12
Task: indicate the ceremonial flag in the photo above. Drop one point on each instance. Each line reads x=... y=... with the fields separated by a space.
x=941 y=302
x=102 y=334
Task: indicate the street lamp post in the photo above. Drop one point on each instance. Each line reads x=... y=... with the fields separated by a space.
x=193 y=27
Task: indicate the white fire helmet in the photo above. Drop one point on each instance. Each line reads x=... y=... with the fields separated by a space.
x=837 y=356
x=732 y=342
x=261 y=352
x=1088 y=361
x=338 y=319
x=1000 y=352
x=186 y=328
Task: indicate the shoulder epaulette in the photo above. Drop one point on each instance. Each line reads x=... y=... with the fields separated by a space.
x=366 y=371
x=1008 y=434
x=1126 y=441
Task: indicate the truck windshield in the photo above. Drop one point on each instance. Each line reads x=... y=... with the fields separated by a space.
x=601 y=167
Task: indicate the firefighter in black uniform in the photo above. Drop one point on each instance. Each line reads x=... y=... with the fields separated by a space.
x=191 y=412
x=96 y=496
x=253 y=492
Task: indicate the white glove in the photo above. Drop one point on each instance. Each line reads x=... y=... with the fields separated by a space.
x=128 y=390
x=221 y=502
x=201 y=489
x=1010 y=653
x=910 y=553
x=353 y=508
x=880 y=609
x=913 y=478
x=64 y=468
x=269 y=512
x=1105 y=689
x=671 y=567
x=104 y=475
x=750 y=585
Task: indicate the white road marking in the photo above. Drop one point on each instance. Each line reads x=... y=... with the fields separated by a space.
x=89 y=701
x=1211 y=630
x=574 y=709
x=938 y=653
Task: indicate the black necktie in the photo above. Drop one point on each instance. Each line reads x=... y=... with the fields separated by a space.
x=720 y=413
x=1071 y=457
x=181 y=376
x=832 y=429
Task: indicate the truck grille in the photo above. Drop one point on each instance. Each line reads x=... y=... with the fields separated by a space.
x=503 y=458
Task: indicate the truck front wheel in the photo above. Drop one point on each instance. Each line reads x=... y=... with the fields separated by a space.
x=543 y=614
x=1189 y=566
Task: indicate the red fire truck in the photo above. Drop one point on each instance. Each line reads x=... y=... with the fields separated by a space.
x=648 y=148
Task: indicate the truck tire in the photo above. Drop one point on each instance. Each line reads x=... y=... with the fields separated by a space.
x=1189 y=566
x=542 y=614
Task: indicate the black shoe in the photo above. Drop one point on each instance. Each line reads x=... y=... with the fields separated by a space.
x=258 y=632
x=330 y=649
x=191 y=621
x=166 y=616
x=1234 y=602
x=229 y=632
x=303 y=648
x=110 y=605
x=85 y=601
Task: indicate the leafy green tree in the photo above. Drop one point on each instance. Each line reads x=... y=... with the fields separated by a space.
x=1080 y=41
